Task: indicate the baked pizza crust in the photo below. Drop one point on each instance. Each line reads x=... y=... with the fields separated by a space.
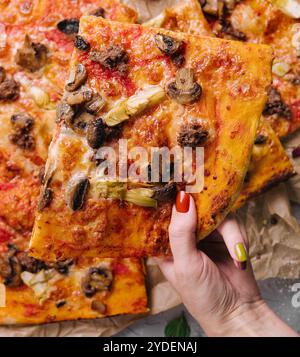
x=260 y=21
x=269 y=164
x=67 y=300
x=234 y=93
x=20 y=169
x=186 y=16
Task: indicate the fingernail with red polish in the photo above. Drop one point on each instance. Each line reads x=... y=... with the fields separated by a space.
x=182 y=202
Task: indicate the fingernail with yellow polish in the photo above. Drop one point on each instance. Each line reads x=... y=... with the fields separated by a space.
x=240 y=252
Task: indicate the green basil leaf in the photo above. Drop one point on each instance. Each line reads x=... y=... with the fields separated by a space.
x=178 y=327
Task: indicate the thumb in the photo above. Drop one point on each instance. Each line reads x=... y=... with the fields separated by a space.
x=182 y=229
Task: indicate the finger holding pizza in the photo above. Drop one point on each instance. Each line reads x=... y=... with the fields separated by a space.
x=216 y=281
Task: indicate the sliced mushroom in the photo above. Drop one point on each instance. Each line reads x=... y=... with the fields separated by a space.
x=210 y=7
x=45 y=199
x=275 y=105
x=9 y=90
x=178 y=58
x=98 y=306
x=171 y=47
x=165 y=193
x=260 y=139
x=30 y=264
x=113 y=132
x=80 y=96
x=68 y=26
x=2 y=74
x=167 y=44
x=114 y=57
x=224 y=8
x=100 y=12
x=10 y=268
x=192 y=135
x=22 y=125
x=95 y=133
x=233 y=33
x=22 y=121
x=60 y=303
x=184 y=89
x=23 y=140
x=95 y=104
x=77 y=193
x=64 y=112
x=31 y=56
x=81 y=43
x=97 y=279
x=77 y=77
x=63 y=266
x=80 y=122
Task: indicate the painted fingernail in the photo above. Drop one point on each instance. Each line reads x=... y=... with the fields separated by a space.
x=240 y=252
x=182 y=202
x=241 y=265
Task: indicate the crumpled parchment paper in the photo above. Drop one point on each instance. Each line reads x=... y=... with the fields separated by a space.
x=274 y=248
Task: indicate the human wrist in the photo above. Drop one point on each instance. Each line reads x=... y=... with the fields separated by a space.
x=250 y=320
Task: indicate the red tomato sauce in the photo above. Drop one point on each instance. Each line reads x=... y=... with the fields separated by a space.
x=129 y=36
x=97 y=71
x=295 y=107
x=31 y=310
x=5 y=236
x=120 y=269
x=139 y=303
x=62 y=40
x=5 y=186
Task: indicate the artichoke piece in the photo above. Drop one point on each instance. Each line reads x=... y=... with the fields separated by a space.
x=141 y=197
x=40 y=283
x=280 y=68
x=118 y=190
x=114 y=190
x=156 y=21
x=289 y=7
x=134 y=105
x=41 y=98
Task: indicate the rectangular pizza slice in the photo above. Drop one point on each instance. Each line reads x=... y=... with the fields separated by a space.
x=152 y=88
x=32 y=292
x=186 y=16
x=277 y=24
x=35 y=54
x=270 y=164
x=35 y=49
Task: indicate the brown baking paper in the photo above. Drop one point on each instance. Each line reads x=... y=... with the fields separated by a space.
x=274 y=248
x=293 y=185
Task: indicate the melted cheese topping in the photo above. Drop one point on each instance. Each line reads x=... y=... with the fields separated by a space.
x=107 y=227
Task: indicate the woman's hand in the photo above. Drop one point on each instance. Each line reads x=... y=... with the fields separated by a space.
x=218 y=288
